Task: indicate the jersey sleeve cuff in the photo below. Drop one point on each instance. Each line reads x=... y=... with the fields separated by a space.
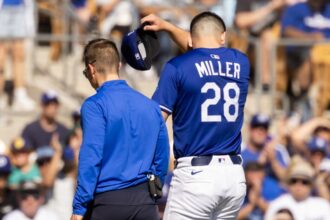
x=165 y=109
x=79 y=209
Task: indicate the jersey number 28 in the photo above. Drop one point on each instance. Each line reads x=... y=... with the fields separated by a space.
x=229 y=101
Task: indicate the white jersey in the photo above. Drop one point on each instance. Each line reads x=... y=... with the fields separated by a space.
x=312 y=208
x=42 y=214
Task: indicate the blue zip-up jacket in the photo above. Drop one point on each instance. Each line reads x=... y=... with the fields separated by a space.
x=124 y=139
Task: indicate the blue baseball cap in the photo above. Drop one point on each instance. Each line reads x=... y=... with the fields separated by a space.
x=260 y=120
x=49 y=96
x=318 y=144
x=45 y=152
x=5 y=166
x=139 y=47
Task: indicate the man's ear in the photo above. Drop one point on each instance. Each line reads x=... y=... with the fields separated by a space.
x=223 y=38
x=190 y=45
x=119 y=66
x=92 y=69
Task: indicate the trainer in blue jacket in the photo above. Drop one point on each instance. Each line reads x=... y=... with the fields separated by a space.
x=124 y=139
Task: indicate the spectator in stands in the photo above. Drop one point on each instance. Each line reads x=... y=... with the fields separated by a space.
x=260 y=190
x=65 y=182
x=75 y=141
x=116 y=18
x=39 y=133
x=85 y=13
x=176 y=12
x=315 y=127
x=14 y=30
x=226 y=10
x=7 y=197
x=75 y=116
x=31 y=198
x=263 y=148
x=258 y=18
x=322 y=182
x=318 y=149
x=299 y=199
x=82 y=10
x=49 y=160
x=308 y=20
x=24 y=169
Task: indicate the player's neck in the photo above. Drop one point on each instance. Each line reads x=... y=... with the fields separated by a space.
x=207 y=43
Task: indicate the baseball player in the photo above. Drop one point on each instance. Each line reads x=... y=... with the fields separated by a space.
x=205 y=90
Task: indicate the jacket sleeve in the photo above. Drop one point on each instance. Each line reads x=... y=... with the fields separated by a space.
x=161 y=158
x=90 y=155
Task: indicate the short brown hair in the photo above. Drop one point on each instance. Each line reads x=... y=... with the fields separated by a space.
x=103 y=53
x=206 y=23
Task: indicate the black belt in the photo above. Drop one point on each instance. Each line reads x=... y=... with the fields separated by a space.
x=205 y=160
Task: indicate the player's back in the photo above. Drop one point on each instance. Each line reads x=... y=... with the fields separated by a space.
x=205 y=90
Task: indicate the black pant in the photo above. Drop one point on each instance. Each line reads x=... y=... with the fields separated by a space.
x=133 y=203
x=125 y=212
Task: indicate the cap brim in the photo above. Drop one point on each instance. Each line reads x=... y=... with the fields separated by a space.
x=300 y=176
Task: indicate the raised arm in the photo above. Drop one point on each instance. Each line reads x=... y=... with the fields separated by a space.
x=178 y=35
x=49 y=177
x=301 y=135
x=246 y=19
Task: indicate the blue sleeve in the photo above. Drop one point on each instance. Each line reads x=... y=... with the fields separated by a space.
x=167 y=89
x=280 y=159
x=291 y=18
x=90 y=155
x=161 y=158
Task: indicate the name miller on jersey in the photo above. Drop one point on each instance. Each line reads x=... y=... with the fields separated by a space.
x=205 y=68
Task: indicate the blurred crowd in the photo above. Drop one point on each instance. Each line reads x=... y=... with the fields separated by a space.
x=38 y=169
x=287 y=160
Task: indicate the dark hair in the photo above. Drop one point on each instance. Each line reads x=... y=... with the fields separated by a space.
x=286 y=211
x=103 y=53
x=321 y=129
x=206 y=16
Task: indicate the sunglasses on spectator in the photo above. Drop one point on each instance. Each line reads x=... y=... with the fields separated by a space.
x=26 y=194
x=85 y=70
x=294 y=181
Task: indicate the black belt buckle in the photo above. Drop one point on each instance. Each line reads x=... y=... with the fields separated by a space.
x=201 y=160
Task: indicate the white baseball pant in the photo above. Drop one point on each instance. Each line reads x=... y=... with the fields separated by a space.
x=214 y=191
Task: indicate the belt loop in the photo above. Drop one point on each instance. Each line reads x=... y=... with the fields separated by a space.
x=236 y=159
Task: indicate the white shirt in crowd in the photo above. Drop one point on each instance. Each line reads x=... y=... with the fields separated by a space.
x=313 y=208
x=42 y=214
x=61 y=202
